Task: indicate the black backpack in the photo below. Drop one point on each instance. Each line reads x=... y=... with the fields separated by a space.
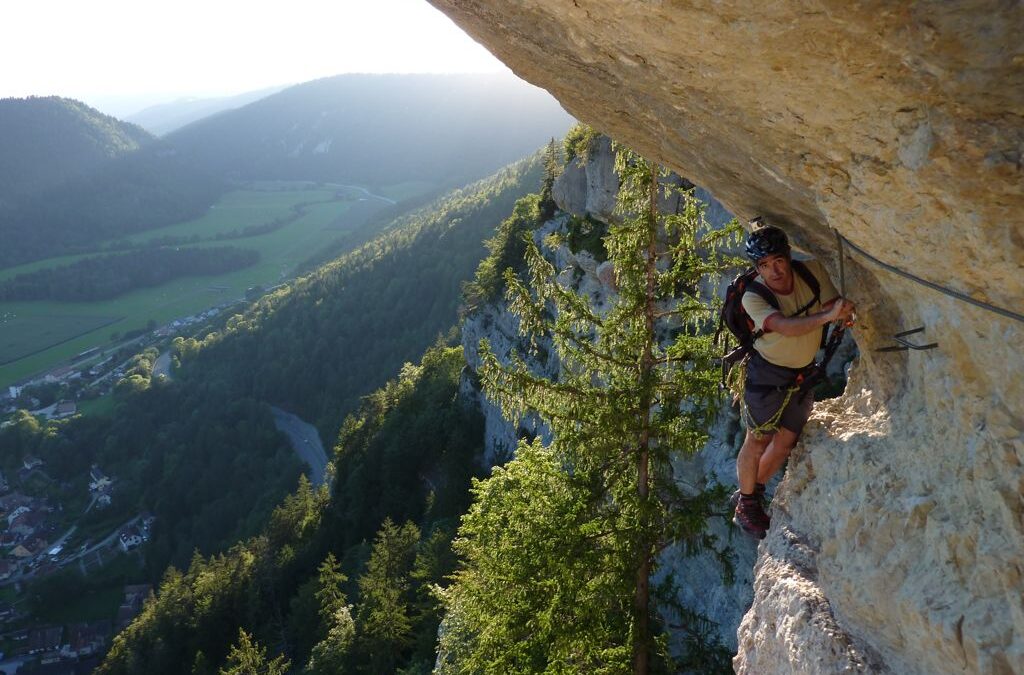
x=739 y=323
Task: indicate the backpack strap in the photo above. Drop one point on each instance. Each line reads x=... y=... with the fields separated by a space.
x=769 y=297
x=805 y=272
x=766 y=294
x=808 y=276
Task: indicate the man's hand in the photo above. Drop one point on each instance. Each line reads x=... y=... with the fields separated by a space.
x=842 y=310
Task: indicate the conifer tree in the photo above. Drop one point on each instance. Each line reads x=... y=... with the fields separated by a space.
x=330 y=593
x=247 y=657
x=552 y=167
x=636 y=382
x=383 y=626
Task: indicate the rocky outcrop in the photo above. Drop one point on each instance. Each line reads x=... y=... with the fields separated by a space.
x=900 y=530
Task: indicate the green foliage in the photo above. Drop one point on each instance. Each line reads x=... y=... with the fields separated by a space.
x=587 y=234
x=383 y=625
x=408 y=454
x=247 y=657
x=542 y=587
x=331 y=654
x=552 y=167
x=621 y=403
x=287 y=586
x=330 y=594
x=577 y=142
x=506 y=249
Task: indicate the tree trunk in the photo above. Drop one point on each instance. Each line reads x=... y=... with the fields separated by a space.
x=641 y=599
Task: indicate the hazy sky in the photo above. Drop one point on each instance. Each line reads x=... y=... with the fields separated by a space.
x=142 y=50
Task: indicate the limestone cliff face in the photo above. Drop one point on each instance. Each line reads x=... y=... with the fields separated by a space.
x=898 y=537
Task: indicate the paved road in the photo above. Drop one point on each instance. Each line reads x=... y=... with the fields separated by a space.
x=162 y=366
x=305 y=441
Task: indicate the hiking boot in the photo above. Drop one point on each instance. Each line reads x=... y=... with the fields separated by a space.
x=759 y=490
x=751 y=518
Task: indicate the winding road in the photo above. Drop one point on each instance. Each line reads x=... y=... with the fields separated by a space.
x=305 y=441
x=162 y=365
x=364 y=191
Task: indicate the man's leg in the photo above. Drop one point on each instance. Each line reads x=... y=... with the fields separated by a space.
x=749 y=461
x=750 y=515
x=774 y=456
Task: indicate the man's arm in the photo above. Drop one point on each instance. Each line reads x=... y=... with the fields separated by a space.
x=801 y=325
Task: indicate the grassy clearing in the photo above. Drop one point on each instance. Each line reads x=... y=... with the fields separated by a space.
x=103 y=405
x=235 y=211
x=26 y=332
x=281 y=251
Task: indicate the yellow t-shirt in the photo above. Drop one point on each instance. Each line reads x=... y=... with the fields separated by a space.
x=798 y=351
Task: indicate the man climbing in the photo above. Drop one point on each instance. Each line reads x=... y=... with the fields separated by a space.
x=795 y=301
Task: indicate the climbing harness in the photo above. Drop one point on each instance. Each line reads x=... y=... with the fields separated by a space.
x=739 y=324
x=772 y=425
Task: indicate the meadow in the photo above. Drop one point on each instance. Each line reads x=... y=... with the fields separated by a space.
x=36 y=336
x=26 y=333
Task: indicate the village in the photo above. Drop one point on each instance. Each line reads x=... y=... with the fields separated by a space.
x=40 y=538
x=37 y=541
x=50 y=529
x=62 y=391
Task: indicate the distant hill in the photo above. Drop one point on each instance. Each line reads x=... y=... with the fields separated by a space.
x=164 y=118
x=379 y=129
x=46 y=141
x=406 y=135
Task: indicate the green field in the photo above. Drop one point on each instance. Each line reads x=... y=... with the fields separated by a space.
x=27 y=332
x=97 y=406
x=47 y=333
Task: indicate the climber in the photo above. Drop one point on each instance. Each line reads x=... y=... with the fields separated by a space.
x=788 y=308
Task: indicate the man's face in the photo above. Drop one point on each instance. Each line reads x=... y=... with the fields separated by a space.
x=776 y=271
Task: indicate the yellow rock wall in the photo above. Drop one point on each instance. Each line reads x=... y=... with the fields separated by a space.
x=898 y=538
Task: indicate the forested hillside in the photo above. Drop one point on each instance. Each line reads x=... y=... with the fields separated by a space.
x=47 y=140
x=341 y=582
x=164 y=118
x=403 y=461
x=71 y=177
x=319 y=344
x=145 y=189
x=376 y=130
x=200 y=452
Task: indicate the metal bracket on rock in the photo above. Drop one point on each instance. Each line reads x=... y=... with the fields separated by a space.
x=905 y=345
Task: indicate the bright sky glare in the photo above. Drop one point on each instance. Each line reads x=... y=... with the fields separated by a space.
x=106 y=49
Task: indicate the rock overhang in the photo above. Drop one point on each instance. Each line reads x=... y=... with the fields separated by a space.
x=901 y=126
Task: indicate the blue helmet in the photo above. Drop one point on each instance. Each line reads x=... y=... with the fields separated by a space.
x=765 y=241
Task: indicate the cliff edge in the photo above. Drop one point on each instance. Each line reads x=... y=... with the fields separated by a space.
x=898 y=537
